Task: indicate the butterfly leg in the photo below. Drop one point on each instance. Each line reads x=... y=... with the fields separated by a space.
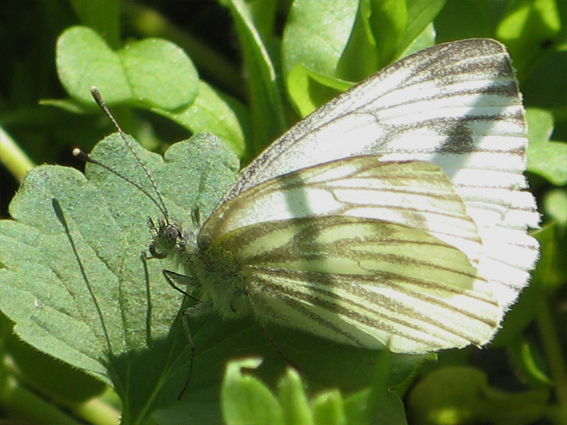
x=174 y=279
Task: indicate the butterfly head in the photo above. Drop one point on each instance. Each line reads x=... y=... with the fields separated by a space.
x=170 y=239
x=165 y=237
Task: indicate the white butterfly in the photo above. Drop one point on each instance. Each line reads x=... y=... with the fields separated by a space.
x=392 y=216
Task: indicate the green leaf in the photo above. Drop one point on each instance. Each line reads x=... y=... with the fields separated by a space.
x=308 y=38
x=454 y=21
x=313 y=50
x=102 y=16
x=296 y=409
x=555 y=205
x=84 y=60
x=551 y=271
x=529 y=28
x=545 y=158
x=152 y=72
x=245 y=399
x=309 y=90
x=421 y=14
x=160 y=73
x=460 y=395
x=212 y=112
x=377 y=404
x=267 y=111
x=390 y=411
x=328 y=409
x=529 y=363
x=374 y=38
x=52 y=377
x=73 y=280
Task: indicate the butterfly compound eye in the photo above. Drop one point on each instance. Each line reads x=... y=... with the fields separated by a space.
x=166 y=237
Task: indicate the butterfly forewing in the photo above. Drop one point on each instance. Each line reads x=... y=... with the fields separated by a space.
x=447 y=99
x=416 y=194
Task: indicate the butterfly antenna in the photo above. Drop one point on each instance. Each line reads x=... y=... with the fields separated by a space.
x=85 y=157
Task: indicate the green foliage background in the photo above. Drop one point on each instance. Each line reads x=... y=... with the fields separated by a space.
x=89 y=332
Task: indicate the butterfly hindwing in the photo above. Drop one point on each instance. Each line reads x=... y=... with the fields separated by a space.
x=363 y=282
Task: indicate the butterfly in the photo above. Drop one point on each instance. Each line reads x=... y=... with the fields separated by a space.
x=393 y=216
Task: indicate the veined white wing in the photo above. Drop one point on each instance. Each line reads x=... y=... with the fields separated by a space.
x=440 y=104
x=364 y=282
x=342 y=228
x=456 y=105
x=416 y=194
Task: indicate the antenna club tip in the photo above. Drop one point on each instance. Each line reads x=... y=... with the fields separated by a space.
x=78 y=153
x=97 y=96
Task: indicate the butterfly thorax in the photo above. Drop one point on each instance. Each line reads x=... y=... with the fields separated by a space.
x=212 y=269
x=223 y=284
